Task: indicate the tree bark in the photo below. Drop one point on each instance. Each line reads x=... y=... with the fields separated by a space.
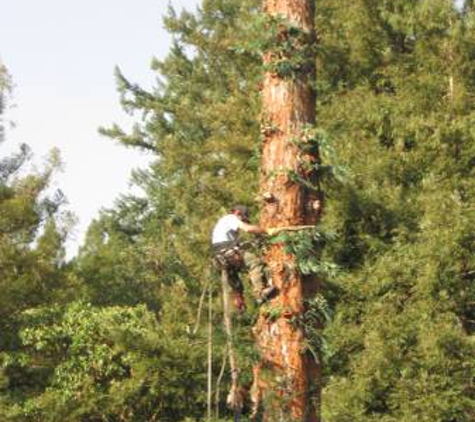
x=288 y=378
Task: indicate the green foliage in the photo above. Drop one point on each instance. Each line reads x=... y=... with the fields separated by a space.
x=398 y=110
x=317 y=142
x=201 y=122
x=118 y=361
x=119 y=338
x=289 y=52
x=394 y=138
x=312 y=321
x=272 y=312
x=306 y=246
x=33 y=273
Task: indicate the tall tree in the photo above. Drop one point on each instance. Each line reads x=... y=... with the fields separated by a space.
x=32 y=267
x=288 y=376
x=201 y=124
x=401 y=342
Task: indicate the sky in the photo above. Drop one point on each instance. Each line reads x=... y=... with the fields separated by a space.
x=61 y=55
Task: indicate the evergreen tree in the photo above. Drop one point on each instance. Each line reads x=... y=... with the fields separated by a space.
x=32 y=269
x=395 y=88
x=397 y=103
x=201 y=123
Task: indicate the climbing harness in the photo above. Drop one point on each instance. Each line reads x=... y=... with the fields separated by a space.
x=228 y=255
x=230 y=258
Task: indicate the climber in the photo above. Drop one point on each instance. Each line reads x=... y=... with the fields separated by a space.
x=233 y=258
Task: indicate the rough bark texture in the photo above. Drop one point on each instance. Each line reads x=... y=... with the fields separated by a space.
x=287 y=382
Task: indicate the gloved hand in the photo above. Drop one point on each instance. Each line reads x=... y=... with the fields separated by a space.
x=239 y=303
x=272 y=231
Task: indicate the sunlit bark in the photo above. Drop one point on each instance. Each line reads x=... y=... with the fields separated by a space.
x=287 y=381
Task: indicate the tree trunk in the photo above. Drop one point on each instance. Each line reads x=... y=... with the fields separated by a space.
x=288 y=378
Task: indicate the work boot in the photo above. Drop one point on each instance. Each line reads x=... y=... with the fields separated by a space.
x=267 y=293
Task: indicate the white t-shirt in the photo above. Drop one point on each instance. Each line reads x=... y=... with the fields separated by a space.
x=226 y=229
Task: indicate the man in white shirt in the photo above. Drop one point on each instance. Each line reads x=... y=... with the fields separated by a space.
x=233 y=258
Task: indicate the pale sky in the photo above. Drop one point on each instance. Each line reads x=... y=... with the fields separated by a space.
x=61 y=55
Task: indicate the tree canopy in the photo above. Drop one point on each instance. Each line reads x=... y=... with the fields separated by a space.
x=117 y=334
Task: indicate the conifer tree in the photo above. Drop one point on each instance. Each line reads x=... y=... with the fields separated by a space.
x=395 y=88
x=201 y=123
x=33 y=228
x=394 y=97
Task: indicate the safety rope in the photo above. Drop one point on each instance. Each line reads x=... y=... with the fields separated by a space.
x=234 y=398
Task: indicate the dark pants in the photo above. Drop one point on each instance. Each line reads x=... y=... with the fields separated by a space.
x=233 y=259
